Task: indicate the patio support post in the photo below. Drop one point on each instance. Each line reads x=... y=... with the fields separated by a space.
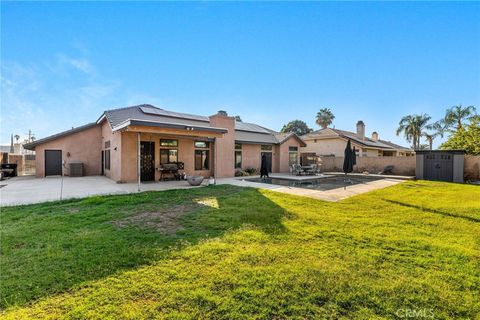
x=215 y=160
x=138 y=160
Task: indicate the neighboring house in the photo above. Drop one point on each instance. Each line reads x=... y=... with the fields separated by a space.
x=122 y=139
x=332 y=142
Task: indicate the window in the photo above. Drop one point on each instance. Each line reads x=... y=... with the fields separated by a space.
x=238 y=159
x=168 y=143
x=292 y=155
x=107 y=144
x=168 y=156
x=107 y=159
x=202 y=144
x=266 y=147
x=238 y=155
x=202 y=160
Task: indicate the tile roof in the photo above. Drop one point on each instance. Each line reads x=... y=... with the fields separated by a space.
x=144 y=114
x=244 y=131
x=31 y=145
x=368 y=142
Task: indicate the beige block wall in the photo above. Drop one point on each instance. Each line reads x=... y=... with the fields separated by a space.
x=402 y=165
x=84 y=146
x=472 y=167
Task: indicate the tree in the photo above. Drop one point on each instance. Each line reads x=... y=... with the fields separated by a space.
x=466 y=138
x=324 y=118
x=17 y=137
x=413 y=127
x=456 y=115
x=237 y=118
x=297 y=126
x=437 y=129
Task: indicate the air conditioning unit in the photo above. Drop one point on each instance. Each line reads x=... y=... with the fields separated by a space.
x=76 y=169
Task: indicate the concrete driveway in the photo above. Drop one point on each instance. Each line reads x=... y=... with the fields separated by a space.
x=28 y=189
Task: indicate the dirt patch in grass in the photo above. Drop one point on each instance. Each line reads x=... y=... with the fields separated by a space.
x=165 y=220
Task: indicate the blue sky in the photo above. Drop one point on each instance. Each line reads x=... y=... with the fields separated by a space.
x=63 y=63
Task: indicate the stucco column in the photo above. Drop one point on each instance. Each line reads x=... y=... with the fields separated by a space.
x=225 y=146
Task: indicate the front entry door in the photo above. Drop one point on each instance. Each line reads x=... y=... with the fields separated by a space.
x=268 y=158
x=147 y=161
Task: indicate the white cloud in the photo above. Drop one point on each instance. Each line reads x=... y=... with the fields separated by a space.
x=55 y=95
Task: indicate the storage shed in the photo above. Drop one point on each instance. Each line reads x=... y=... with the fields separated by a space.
x=440 y=165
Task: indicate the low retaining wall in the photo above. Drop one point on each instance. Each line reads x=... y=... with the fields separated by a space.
x=404 y=166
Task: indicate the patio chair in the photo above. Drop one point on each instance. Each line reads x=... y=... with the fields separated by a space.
x=312 y=171
x=297 y=170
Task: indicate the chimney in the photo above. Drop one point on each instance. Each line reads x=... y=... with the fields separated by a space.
x=361 y=129
x=375 y=135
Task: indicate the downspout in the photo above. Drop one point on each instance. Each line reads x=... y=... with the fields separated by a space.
x=138 y=160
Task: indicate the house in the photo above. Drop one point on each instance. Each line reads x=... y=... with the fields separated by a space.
x=135 y=142
x=331 y=142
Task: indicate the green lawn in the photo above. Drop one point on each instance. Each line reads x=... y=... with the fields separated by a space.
x=235 y=253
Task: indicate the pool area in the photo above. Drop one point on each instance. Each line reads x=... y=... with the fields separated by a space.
x=323 y=183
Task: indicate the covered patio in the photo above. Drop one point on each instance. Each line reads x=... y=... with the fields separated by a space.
x=152 y=151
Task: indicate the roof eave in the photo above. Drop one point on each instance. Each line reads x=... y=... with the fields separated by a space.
x=137 y=122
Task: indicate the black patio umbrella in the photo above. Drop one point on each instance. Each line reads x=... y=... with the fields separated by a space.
x=263 y=167
x=348 y=161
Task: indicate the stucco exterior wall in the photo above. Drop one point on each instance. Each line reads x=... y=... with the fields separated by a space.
x=402 y=165
x=334 y=146
x=83 y=146
x=115 y=171
x=251 y=156
x=186 y=154
x=284 y=154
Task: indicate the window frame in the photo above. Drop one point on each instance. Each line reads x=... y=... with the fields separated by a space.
x=205 y=159
x=207 y=145
x=167 y=145
x=107 y=160
x=168 y=155
x=238 y=152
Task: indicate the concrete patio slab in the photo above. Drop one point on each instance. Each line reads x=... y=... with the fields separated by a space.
x=327 y=195
x=28 y=190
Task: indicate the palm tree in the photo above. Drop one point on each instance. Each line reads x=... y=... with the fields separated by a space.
x=438 y=129
x=456 y=115
x=324 y=118
x=413 y=127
